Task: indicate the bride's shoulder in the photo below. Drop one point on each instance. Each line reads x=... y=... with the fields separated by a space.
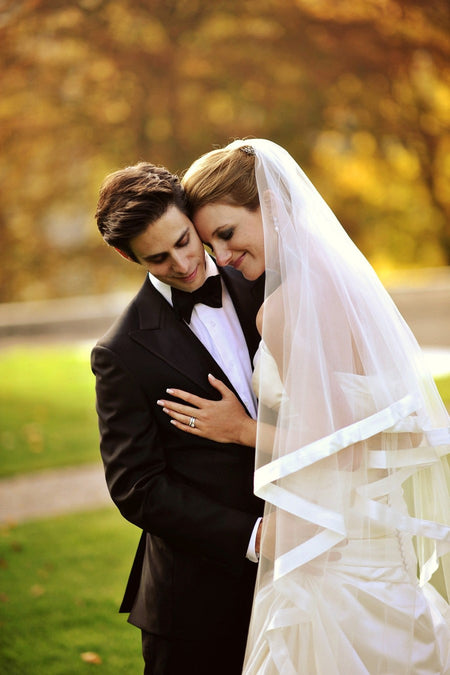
x=271 y=309
x=259 y=319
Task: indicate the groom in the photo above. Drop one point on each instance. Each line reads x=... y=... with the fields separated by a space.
x=191 y=584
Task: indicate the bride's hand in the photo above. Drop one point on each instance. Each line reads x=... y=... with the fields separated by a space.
x=224 y=421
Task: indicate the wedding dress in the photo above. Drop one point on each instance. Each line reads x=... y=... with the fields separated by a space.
x=351 y=615
x=351 y=454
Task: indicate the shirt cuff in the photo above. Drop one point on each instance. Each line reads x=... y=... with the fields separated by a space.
x=251 y=553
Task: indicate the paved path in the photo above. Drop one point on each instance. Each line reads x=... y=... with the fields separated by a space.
x=48 y=493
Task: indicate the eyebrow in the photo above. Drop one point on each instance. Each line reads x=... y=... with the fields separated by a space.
x=150 y=258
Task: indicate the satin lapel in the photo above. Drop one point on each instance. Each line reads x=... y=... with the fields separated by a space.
x=172 y=340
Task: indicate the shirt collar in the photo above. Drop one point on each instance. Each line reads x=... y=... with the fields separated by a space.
x=166 y=289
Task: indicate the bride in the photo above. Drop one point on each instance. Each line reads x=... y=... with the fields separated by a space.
x=351 y=435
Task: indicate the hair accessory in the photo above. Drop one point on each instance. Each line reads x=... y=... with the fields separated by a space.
x=248 y=149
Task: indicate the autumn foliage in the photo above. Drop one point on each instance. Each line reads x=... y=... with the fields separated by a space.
x=357 y=90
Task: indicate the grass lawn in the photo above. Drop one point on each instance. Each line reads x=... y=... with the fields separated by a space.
x=62 y=581
x=47 y=413
x=443 y=384
x=47 y=408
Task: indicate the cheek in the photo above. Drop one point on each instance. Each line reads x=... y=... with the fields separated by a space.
x=195 y=250
x=161 y=270
x=259 y=238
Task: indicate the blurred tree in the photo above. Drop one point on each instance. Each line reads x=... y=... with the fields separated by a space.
x=358 y=91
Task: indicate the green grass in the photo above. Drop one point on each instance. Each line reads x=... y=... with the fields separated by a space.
x=443 y=384
x=47 y=413
x=62 y=581
x=47 y=408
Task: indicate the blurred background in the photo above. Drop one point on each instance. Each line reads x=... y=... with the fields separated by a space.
x=358 y=91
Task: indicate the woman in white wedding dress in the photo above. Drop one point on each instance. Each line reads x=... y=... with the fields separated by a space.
x=351 y=436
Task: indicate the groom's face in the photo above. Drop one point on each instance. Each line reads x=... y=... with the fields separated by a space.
x=172 y=251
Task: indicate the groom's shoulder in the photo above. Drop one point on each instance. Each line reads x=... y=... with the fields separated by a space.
x=128 y=318
x=239 y=282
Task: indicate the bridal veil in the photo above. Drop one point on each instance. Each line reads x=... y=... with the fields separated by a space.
x=356 y=480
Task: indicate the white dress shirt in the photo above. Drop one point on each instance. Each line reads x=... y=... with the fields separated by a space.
x=219 y=330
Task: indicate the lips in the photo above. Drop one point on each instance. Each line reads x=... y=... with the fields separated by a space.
x=190 y=276
x=236 y=263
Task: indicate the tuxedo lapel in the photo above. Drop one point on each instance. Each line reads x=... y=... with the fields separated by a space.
x=171 y=340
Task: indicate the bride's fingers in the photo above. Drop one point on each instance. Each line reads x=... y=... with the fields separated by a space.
x=219 y=385
x=192 y=399
x=186 y=427
x=172 y=407
x=183 y=417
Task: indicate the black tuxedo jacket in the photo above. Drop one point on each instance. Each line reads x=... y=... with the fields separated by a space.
x=193 y=498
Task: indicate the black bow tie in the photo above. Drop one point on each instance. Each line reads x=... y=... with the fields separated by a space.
x=208 y=294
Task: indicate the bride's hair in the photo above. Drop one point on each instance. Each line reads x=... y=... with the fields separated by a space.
x=224 y=175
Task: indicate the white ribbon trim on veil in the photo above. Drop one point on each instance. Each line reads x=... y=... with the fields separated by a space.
x=330 y=445
x=385 y=420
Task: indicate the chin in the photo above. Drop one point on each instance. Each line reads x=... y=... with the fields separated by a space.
x=252 y=275
x=198 y=284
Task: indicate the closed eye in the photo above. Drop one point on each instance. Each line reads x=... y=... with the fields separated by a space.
x=159 y=258
x=184 y=241
x=226 y=235
x=156 y=259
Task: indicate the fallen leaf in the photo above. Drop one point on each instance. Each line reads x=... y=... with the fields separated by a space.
x=37 y=590
x=91 y=657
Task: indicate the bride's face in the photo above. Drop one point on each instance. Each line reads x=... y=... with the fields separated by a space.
x=235 y=235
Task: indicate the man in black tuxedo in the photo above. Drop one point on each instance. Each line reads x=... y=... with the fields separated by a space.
x=191 y=584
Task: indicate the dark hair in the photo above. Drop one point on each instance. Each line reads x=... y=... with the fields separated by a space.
x=132 y=198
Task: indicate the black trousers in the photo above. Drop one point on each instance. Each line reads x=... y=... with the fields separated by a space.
x=216 y=655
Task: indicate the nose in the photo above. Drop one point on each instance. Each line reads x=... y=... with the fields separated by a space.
x=223 y=255
x=180 y=263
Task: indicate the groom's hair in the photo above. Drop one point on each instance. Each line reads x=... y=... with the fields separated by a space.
x=132 y=198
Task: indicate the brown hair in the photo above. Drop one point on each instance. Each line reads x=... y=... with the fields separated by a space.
x=132 y=198
x=226 y=175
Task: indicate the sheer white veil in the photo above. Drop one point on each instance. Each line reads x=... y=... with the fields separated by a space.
x=358 y=419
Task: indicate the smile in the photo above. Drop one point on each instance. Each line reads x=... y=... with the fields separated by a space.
x=190 y=276
x=236 y=263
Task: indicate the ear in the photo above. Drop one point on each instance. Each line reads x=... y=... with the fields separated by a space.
x=123 y=254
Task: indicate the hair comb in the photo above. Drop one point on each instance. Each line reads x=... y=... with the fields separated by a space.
x=248 y=149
